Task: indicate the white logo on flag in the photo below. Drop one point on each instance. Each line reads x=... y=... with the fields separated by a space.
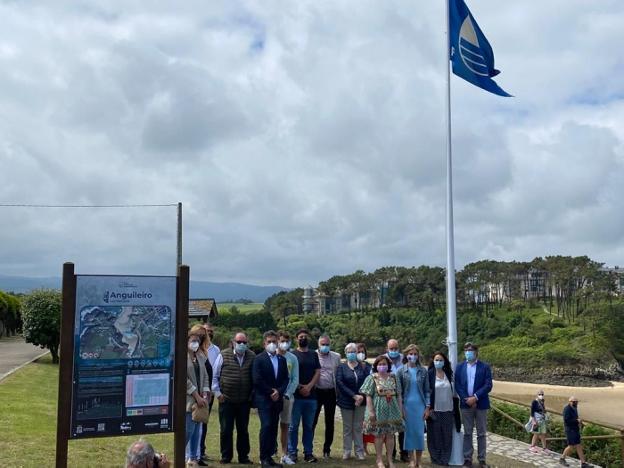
x=470 y=50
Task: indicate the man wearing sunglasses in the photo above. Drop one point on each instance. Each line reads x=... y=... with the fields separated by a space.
x=232 y=386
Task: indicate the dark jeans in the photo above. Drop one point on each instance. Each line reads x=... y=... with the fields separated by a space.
x=230 y=413
x=202 y=442
x=326 y=398
x=268 y=412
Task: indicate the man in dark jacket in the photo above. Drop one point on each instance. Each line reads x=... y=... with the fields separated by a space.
x=473 y=384
x=270 y=379
x=572 y=425
x=232 y=385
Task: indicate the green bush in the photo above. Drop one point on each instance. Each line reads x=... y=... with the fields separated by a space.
x=42 y=320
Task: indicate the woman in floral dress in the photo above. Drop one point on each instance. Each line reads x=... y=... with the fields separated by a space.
x=383 y=417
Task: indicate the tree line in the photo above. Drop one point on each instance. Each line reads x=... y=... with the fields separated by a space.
x=10 y=314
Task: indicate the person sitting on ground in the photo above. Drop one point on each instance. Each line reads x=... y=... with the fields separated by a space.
x=141 y=455
x=572 y=425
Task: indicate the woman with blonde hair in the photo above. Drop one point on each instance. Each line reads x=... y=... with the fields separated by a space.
x=415 y=383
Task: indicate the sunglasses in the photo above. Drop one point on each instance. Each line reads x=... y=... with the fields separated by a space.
x=241 y=342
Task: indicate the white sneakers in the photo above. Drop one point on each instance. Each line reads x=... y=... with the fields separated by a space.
x=286 y=460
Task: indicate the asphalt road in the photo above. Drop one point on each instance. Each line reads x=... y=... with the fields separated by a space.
x=14 y=352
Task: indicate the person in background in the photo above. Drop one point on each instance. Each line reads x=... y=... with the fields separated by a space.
x=203 y=350
x=197 y=393
x=270 y=380
x=538 y=418
x=441 y=418
x=350 y=376
x=212 y=351
x=362 y=355
x=473 y=383
x=383 y=416
x=304 y=406
x=232 y=386
x=141 y=454
x=289 y=397
x=572 y=425
x=326 y=390
x=415 y=391
x=396 y=358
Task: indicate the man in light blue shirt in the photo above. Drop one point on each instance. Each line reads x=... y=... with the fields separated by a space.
x=289 y=396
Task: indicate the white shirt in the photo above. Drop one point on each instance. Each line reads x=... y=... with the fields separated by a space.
x=216 y=371
x=471 y=372
x=213 y=353
x=443 y=394
x=275 y=362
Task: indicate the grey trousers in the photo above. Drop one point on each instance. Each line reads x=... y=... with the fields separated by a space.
x=352 y=426
x=470 y=417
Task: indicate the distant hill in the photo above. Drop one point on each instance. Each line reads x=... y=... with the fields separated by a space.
x=199 y=289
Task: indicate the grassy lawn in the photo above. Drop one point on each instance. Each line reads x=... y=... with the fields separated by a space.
x=243 y=308
x=28 y=428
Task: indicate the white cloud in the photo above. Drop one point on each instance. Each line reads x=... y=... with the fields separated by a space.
x=305 y=139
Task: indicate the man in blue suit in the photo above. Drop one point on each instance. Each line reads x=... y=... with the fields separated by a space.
x=270 y=379
x=473 y=383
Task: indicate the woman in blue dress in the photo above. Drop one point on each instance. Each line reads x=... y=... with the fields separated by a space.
x=416 y=393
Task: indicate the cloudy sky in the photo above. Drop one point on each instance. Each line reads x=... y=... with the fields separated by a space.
x=305 y=139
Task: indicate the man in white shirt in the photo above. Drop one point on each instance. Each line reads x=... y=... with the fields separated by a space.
x=326 y=390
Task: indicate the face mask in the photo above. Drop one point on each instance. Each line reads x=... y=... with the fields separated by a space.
x=271 y=348
x=541 y=397
x=412 y=357
x=284 y=345
x=438 y=364
x=470 y=355
x=240 y=348
x=382 y=369
x=393 y=354
x=324 y=349
x=193 y=346
x=351 y=357
x=361 y=357
x=303 y=342
x=575 y=403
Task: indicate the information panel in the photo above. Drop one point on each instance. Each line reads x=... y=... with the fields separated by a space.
x=124 y=341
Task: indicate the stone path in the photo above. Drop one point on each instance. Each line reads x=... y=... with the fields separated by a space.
x=14 y=353
x=518 y=450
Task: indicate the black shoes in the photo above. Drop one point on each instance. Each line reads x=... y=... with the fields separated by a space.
x=270 y=462
x=310 y=459
x=223 y=461
x=247 y=461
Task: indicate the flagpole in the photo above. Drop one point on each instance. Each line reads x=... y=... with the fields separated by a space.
x=451 y=304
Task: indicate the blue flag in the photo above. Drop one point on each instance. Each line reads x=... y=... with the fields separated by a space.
x=471 y=54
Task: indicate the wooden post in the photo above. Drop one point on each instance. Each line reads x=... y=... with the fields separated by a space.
x=179 y=373
x=66 y=366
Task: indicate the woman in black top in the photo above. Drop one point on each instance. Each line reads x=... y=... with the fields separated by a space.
x=538 y=418
x=350 y=376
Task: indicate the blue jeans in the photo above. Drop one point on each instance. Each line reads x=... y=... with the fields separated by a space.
x=193 y=434
x=303 y=410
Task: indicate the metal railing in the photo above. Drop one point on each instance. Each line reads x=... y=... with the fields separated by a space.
x=619 y=429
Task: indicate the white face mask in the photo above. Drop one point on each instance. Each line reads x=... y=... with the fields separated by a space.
x=284 y=345
x=271 y=348
x=361 y=357
x=193 y=346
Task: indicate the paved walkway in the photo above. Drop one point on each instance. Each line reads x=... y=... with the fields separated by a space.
x=517 y=450
x=14 y=352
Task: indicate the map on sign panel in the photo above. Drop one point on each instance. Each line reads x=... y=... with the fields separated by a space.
x=125 y=332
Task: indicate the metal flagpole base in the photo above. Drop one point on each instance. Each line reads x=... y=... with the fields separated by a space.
x=457 y=454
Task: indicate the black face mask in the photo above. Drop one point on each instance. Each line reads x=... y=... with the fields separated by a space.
x=303 y=342
x=575 y=403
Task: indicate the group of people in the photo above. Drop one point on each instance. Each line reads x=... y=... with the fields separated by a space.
x=290 y=384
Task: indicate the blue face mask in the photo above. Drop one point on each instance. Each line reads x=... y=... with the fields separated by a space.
x=324 y=349
x=438 y=364
x=470 y=355
x=351 y=357
x=240 y=348
x=393 y=354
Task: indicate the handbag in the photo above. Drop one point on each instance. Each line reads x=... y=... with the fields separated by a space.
x=200 y=414
x=529 y=426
